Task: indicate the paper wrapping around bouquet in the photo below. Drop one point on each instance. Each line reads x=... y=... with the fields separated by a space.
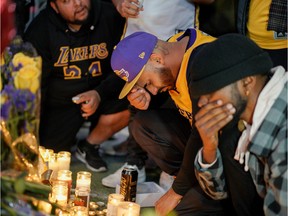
x=25 y=151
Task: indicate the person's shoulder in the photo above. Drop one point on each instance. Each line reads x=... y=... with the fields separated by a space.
x=40 y=20
x=110 y=13
x=38 y=26
x=108 y=9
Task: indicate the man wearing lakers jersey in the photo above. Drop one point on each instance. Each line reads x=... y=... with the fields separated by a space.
x=75 y=40
x=151 y=66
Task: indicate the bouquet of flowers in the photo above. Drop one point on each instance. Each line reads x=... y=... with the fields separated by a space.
x=20 y=105
x=22 y=192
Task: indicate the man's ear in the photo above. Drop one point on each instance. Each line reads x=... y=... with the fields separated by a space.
x=156 y=58
x=248 y=84
x=54 y=6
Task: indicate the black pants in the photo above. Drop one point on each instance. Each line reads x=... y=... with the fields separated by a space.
x=163 y=134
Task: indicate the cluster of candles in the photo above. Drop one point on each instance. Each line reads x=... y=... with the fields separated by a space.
x=61 y=181
x=79 y=204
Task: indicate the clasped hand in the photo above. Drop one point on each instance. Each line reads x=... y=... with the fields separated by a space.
x=139 y=98
x=210 y=119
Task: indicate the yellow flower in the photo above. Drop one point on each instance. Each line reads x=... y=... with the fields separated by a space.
x=38 y=61
x=20 y=58
x=28 y=78
x=1 y=82
x=2 y=59
x=3 y=99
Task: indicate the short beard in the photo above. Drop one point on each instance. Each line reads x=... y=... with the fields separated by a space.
x=79 y=22
x=239 y=103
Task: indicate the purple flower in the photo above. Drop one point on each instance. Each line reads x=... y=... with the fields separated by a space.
x=5 y=110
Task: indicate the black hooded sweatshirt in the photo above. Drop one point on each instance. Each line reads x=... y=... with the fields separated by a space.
x=87 y=66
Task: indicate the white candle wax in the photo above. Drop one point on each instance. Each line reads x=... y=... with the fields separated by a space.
x=113 y=201
x=66 y=176
x=60 y=192
x=128 y=209
x=83 y=182
x=46 y=154
x=64 y=159
x=83 y=179
x=53 y=165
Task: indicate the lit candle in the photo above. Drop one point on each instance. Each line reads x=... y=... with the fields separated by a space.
x=93 y=206
x=59 y=193
x=64 y=159
x=46 y=154
x=113 y=202
x=83 y=179
x=42 y=166
x=128 y=209
x=53 y=165
x=82 y=196
x=66 y=176
x=79 y=211
x=41 y=150
x=100 y=213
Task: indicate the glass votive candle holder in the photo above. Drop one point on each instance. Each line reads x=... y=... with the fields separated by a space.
x=60 y=212
x=41 y=150
x=79 y=211
x=128 y=209
x=53 y=165
x=66 y=176
x=64 y=160
x=82 y=196
x=100 y=213
x=83 y=179
x=93 y=206
x=46 y=154
x=59 y=193
x=113 y=202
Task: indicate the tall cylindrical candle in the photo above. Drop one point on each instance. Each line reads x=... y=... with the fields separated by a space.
x=113 y=202
x=53 y=165
x=64 y=159
x=66 y=176
x=83 y=179
x=46 y=154
x=82 y=196
x=59 y=193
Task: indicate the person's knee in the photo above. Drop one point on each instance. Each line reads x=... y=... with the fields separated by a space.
x=196 y=202
x=115 y=119
x=143 y=119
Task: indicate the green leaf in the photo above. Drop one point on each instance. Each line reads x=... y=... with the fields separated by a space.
x=19 y=185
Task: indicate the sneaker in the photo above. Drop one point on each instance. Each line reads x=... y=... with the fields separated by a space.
x=89 y=154
x=166 y=180
x=115 y=178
